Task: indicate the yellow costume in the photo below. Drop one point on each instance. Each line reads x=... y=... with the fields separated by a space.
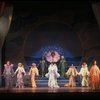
x=33 y=72
x=72 y=72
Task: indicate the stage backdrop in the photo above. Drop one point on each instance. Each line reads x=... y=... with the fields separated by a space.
x=36 y=28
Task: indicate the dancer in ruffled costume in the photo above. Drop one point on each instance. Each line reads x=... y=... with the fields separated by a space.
x=20 y=72
x=53 y=75
x=71 y=73
x=94 y=76
x=84 y=75
x=8 y=74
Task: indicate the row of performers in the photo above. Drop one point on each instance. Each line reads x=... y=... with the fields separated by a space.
x=89 y=77
x=61 y=64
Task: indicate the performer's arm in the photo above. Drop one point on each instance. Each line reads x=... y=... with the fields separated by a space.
x=16 y=70
x=37 y=72
x=29 y=72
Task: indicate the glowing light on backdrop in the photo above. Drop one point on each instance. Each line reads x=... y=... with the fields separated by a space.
x=44 y=50
x=52 y=56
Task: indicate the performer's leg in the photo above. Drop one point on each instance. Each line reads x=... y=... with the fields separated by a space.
x=33 y=83
x=82 y=83
x=7 y=82
x=43 y=73
x=87 y=83
x=10 y=82
x=70 y=81
x=73 y=81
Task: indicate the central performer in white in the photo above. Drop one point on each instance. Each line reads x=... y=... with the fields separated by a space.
x=52 y=75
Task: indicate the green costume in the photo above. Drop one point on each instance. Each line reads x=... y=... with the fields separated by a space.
x=62 y=67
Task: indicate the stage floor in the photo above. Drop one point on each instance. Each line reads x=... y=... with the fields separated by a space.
x=48 y=93
x=47 y=90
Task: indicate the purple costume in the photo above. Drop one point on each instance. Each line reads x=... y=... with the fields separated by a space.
x=8 y=73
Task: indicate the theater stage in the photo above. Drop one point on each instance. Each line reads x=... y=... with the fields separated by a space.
x=48 y=93
x=47 y=90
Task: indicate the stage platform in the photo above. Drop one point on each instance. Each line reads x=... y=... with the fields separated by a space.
x=46 y=93
x=47 y=90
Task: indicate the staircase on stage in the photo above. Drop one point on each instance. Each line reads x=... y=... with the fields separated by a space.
x=43 y=81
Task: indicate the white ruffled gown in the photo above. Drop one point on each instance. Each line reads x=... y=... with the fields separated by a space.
x=52 y=75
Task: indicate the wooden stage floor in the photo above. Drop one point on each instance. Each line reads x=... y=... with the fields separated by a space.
x=49 y=93
x=47 y=90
